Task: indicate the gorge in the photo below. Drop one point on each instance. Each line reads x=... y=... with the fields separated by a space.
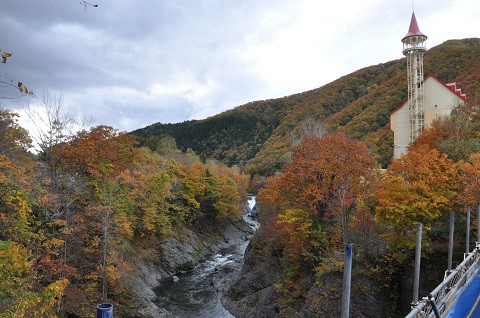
x=197 y=292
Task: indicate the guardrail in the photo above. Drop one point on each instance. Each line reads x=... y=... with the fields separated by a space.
x=447 y=293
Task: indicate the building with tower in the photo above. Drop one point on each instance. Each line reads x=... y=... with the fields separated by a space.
x=428 y=98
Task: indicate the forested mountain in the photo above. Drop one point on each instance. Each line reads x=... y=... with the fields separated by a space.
x=258 y=135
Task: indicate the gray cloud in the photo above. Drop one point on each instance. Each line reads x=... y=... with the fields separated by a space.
x=133 y=63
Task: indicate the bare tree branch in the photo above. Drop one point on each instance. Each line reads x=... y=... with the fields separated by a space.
x=9 y=83
x=5 y=82
x=84 y=4
x=53 y=122
x=309 y=126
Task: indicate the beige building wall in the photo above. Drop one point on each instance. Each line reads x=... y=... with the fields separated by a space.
x=400 y=124
x=439 y=101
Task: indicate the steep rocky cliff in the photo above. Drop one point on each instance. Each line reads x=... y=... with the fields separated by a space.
x=181 y=253
x=253 y=295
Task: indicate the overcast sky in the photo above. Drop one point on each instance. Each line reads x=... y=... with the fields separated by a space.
x=131 y=63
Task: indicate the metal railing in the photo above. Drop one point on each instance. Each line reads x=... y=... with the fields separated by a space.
x=447 y=293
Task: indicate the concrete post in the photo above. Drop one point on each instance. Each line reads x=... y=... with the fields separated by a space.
x=467 y=237
x=478 y=223
x=347 y=278
x=450 y=241
x=416 y=273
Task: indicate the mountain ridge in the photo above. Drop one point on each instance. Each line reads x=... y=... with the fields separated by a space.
x=257 y=135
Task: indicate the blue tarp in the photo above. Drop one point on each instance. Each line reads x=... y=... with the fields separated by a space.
x=467 y=299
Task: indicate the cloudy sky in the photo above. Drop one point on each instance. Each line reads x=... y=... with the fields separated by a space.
x=131 y=63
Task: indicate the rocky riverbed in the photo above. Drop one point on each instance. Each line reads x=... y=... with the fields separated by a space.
x=191 y=275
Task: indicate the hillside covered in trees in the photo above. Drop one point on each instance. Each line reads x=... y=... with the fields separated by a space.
x=332 y=193
x=259 y=135
x=78 y=218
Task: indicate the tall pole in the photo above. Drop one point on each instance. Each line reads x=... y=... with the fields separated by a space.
x=467 y=238
x=450 y=241
x=347 y=278
x=416 y=273
x=478 y=223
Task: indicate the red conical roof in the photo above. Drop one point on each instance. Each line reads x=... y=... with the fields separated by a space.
x=413 y=29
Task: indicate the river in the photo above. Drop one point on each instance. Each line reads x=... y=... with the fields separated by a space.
x=197 y=293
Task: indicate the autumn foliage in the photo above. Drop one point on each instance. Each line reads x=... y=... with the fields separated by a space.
x=332 y=191
x=325 y=177
x=70 y=217
x=438 y=175
x=471 y=181
x=21 y=294
x=421 y=186
x=457 y=136
x=308 y=207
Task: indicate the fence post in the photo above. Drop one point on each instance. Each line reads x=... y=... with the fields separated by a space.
x=347 y=278
x=416 y=273
x=467 y=238
x=450 y=241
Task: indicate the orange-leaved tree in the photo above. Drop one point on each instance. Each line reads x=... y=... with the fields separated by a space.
x=457 y=135
x=471 y=181
x=421 y=186
x=99 y=156
x=306 y=209
x=325 y=178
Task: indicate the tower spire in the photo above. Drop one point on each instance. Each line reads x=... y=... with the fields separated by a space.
x=413 y=29
x=413 y=48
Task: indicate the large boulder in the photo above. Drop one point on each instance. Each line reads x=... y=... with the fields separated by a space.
x=253 y=295
x=181 y=253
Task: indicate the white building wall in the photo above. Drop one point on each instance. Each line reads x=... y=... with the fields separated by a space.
x=439 y=101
